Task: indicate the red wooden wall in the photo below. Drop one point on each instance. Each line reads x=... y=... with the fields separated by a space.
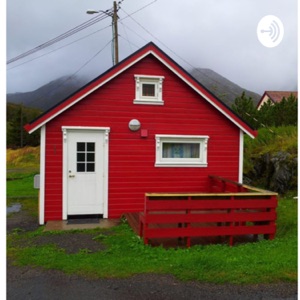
x=131 y=158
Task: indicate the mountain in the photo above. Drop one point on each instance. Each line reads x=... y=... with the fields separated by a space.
x=49 y=94
x=57 y=90
x=221 y=87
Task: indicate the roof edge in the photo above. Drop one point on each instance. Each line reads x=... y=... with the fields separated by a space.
x=149 y=48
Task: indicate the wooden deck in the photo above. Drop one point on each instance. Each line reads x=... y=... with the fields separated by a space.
x=133 y=221
x=229 y=213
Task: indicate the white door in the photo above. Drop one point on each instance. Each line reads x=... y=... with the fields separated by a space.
x=85 y=172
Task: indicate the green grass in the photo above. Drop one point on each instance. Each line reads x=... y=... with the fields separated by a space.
x=262 y=262
x=126 y=255
x=20 y=185
x=269 y=142
x=278 y=139
x=23 y=165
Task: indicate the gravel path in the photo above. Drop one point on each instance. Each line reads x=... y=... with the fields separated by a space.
x=39 y=284
x=34 y=283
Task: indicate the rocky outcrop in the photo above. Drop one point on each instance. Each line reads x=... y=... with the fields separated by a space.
x=277 y=172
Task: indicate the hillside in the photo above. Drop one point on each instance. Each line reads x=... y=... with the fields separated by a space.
x=49 y=94
x=223 y=88
x=57 y=90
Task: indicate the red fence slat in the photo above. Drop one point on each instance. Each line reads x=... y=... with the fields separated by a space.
x=236 y=210
x=209 y=231
x=169 y=205
x=210 y=217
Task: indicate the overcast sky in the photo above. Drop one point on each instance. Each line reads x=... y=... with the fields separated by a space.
x=215 y=34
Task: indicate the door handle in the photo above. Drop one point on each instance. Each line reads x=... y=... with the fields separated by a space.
x=71 y=176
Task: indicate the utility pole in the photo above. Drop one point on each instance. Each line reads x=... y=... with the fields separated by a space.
x=116 y=40
x=114 y=16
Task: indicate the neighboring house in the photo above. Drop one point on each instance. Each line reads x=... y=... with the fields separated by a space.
x=145 y=125
x=274 y=97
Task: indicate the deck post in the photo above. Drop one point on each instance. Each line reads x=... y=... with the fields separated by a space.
x=231 y=211
x=272 y=236
x=188 y=239
x=145 y=225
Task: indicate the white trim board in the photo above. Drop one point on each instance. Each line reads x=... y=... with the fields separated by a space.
x=42 y=176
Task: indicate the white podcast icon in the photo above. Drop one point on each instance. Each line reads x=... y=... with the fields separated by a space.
x=270 y=31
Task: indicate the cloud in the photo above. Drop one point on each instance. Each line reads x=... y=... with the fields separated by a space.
x=220 y=35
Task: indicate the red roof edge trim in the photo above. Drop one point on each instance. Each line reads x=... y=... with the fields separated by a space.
x=87 y=89
x=150 y=48
x=200 y=89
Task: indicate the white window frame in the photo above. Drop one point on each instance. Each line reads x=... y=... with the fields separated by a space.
x=147 y=79
x=202 y=140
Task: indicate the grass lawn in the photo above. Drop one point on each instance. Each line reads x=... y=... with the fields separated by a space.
x=126 y=255
x=20 y=185
x=22 y=164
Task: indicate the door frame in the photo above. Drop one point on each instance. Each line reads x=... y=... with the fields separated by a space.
x=65 y=131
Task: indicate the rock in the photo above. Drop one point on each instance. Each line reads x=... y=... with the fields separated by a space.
x=283 y=167
x=276 y=172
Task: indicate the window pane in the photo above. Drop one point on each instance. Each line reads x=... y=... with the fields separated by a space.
x=91 y=147
x=80 y=146
x=181 y=150
x=149 y=90
x=90 y=157
x=80 y=157
x=90 y=167
x=85 y=157
x=80 y=167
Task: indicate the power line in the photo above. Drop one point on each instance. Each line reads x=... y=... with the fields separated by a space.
x=63 y=36
x=77 y=71
x=184 y=60
x=129 y=42
x=138 y=9
x=127 y=37
x=84 y=37
x=141 y=37
x=76 y=29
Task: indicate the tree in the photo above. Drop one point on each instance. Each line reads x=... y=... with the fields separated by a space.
x=265 y=114
x=245 y=108
x=287 y=112
x=17 y=117
x=283 y=113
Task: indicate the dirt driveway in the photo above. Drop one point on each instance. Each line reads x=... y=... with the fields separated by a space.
x=39 y=284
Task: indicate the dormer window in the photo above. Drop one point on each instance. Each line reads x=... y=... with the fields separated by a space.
x=148 y=90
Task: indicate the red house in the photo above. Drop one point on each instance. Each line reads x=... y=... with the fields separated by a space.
x=144 y=126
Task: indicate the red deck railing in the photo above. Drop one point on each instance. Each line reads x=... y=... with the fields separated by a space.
x=230 y=209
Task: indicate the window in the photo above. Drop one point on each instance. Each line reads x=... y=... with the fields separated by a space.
x=148 y=90
x=85 y=157
x=181 y=151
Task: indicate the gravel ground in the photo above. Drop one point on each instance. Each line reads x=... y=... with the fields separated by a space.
x=36 y=283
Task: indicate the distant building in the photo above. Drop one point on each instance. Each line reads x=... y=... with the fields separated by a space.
x=275 y=97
